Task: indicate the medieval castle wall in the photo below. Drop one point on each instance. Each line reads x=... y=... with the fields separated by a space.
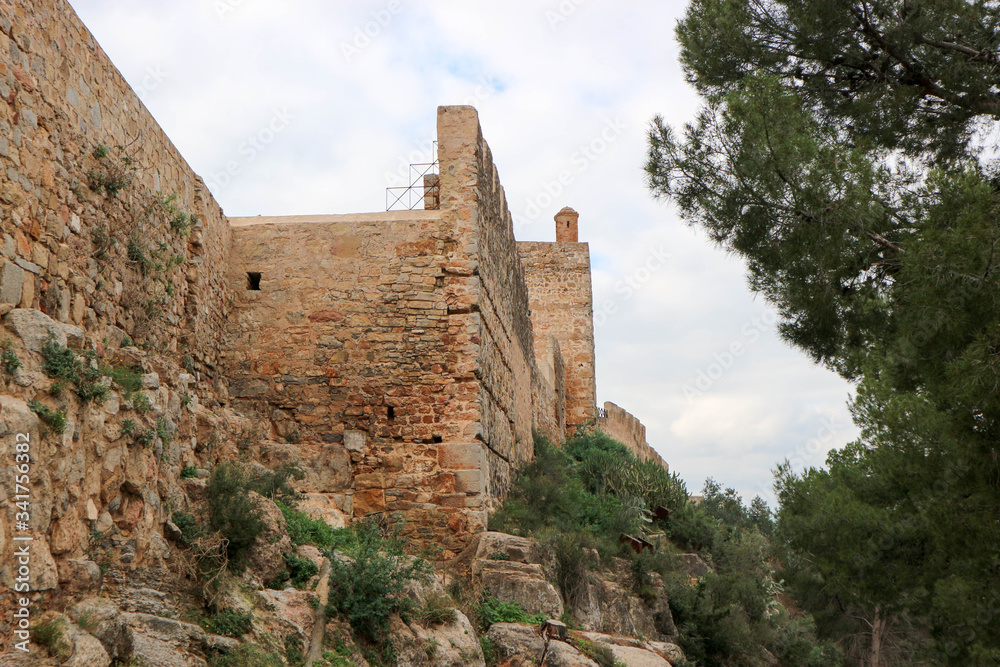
x=62 y=99
x=409 y=355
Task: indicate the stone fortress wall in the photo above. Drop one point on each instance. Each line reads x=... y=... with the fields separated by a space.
x=413 y=354
x=61 y=97
x=627 y=429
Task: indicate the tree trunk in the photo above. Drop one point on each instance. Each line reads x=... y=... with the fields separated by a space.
x=878 y=636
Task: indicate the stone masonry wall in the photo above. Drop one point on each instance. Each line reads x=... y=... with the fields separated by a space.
x=60 y=99
x=548 y=395
x=558 y=277
x=350 y=350
x=628 y=430
x=473 y=202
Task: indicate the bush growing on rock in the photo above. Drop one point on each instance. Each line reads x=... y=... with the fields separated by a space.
x=367 y=588
x=302 y=529
x=232 y=512
x=492 y=610
x=230 y=622
x=578 y=500
x=246 y=655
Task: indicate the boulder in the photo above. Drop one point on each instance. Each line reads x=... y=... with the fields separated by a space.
x=514 y=639
x=637 y=657
x=164 y=642
x=292 y=607
x=692 y=564
x=561 y=654
x=516 y=549
x=443 y=645
x=671 y=652
x=87 y=650
x=523 y=583
x=322 y=506
x=79 y=575
x=34 y=328
x=266 y=556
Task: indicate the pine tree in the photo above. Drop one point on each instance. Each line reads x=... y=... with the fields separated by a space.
x=841 y=153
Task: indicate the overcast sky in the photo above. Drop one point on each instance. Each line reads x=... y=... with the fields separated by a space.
x=316 y=106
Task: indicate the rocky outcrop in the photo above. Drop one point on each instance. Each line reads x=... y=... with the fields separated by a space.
x=606 y=603
x=518 y=644
x=510 y=569
x=158 y=640
x=517 y=569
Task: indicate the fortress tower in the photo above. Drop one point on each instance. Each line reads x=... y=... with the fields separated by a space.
x=562 y=313
x=567 y=228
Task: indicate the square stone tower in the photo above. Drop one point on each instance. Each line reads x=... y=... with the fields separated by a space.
x=562 y=309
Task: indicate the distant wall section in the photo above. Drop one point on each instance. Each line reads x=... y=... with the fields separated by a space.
x=627 y=429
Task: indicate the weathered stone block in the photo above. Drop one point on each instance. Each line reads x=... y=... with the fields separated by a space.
x=462 y=456
x=11 y=282
x=355 y=441
x=469 y=481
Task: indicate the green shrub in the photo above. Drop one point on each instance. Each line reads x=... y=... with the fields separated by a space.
x=298 y=570
x=145 y=437
x=492 y=610
x=599 y=653
x=490 y=652
x=232 y=512
x=499 y=555
x=129 y=379
x=275 y=484
x=141 y=403
x=293 y=651
x=438 y=609
x=246 y=655
x=8 y=357
x=54 y=419
x=188 y=525
x=161 y=430
x=304 y=530
x=367 y=590
x=89 y=386
x=60 y=362
x=182 y=222
x=128 y=427
x=50 y=634
x=189 y=472
x=230 y=622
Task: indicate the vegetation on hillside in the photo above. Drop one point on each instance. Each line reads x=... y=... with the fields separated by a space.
x=844 y=153
x=582 y=497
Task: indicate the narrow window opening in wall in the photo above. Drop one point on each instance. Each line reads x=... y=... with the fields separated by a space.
x=390 y=412
x=253 y=280
x=436 y=438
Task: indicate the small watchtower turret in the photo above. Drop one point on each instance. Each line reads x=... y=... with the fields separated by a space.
x=566 y=226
